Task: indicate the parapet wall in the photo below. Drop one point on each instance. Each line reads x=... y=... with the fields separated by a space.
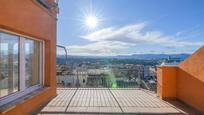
x=184 y=82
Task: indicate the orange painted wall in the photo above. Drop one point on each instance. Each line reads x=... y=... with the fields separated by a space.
x=29 y=18
x=166 y=83
x=159 y=81
x=190 y=81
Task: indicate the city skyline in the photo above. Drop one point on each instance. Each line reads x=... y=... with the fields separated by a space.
x=108 y=28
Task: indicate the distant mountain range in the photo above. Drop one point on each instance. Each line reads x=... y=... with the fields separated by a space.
x=155 y=56
x=135 y=56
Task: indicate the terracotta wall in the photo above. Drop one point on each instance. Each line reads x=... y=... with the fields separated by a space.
x=166 y=84
x=189 y=81
x=29 y=18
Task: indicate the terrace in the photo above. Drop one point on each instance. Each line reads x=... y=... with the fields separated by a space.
x=28 y=31
x=111 y=101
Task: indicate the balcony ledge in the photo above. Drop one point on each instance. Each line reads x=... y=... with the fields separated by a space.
x=7 y=107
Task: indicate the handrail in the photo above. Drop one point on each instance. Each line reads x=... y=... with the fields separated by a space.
x=65 y=49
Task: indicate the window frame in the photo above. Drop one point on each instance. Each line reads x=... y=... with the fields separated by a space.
x=22 y=90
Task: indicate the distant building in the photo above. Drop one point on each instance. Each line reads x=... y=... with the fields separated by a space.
x=80 y=77
x=149 y=72
x=171 y=61
x=128 y=71
x=65 y=80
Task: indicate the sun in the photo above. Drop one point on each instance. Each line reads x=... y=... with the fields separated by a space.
x=91 y=21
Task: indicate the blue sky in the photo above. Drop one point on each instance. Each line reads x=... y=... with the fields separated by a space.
x=131 y=26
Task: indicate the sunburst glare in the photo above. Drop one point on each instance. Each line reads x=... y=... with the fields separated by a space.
x=90 y=19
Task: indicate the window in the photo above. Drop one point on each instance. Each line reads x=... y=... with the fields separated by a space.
x=43 y=3
x=32 y=62
x=9 y=64
x=21 y=66
x=49 y=5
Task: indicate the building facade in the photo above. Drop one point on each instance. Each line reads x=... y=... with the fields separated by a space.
x=27 y=55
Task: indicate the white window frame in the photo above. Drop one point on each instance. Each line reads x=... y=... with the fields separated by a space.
x=22 y=88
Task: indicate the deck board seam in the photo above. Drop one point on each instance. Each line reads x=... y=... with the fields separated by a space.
x=71 y=99
x=116 y=100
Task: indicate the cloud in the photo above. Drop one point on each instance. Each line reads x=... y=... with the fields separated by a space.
x=110 y=41
x=194 y=30
x=98 y=48
x=113 y=34
x=133 y=34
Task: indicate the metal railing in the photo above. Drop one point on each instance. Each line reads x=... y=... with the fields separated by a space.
x=66 y=53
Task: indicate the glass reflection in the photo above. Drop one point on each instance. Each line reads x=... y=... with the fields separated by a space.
x=32 y=62
x=9 y=70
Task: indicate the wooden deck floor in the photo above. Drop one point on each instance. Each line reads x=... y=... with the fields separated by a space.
x=107 y=101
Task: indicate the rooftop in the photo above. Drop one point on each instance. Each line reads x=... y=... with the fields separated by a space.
x=111 y=101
